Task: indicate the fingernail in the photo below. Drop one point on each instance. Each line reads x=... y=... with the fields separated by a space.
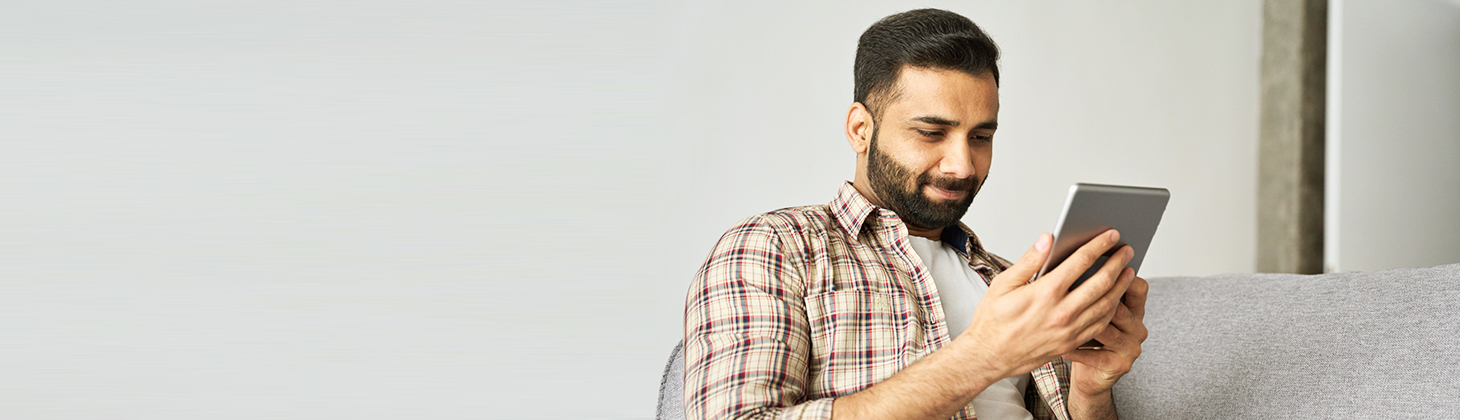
x=1114 y=235
x=1043 y=243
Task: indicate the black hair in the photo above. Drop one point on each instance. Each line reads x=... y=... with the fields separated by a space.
x=929 y=38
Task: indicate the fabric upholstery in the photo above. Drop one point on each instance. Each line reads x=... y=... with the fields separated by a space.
x=671 y=388
x=1378 y=344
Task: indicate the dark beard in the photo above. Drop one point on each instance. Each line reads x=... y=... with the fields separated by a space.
x=889 y=179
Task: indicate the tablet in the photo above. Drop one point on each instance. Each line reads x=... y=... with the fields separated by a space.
x=1091 y=209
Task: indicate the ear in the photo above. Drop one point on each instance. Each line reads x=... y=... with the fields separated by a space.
x=859 y=128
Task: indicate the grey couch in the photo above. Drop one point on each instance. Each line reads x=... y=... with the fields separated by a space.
x=1380 y=344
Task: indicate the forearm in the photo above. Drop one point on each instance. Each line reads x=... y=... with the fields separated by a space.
x=935 y=387
x=1099 y=406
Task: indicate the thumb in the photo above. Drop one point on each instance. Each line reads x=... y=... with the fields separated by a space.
x=1028 y=265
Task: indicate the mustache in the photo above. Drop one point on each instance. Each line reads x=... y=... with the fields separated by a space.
x=950 y=184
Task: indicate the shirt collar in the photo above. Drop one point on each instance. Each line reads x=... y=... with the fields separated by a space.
x=851 y=210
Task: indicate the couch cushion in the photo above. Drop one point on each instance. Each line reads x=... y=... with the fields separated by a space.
x=1378 y=344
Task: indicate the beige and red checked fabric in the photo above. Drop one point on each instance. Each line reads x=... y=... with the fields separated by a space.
x=800 y=305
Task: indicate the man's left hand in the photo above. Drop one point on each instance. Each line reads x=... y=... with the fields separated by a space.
x=1094 y=370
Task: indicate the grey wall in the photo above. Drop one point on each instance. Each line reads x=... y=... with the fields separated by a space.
x=391 y=209
x=1395 y=191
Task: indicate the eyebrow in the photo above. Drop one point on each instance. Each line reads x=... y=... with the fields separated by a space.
x=936 y=120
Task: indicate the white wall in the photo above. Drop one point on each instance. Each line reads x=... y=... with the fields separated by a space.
x=1396 y=138
x=307 y=209
x=392 y=209
x=1144 y=94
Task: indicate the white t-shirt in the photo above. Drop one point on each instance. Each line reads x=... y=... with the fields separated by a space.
x=960 y=289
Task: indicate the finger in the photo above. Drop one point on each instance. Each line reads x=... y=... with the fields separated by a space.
x=1099 y=314
x=1109 y=335
x=1131 y=328
x=1111 y=364
x=1028 y=265
x=1071 y=268
x=1102 y=283
x=1123 y=319
x=1091 y=357
x=1124 y=343
x=1114 y=336
x=1135 y=297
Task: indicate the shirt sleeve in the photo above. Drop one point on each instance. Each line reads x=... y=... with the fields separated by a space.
x=747 y=343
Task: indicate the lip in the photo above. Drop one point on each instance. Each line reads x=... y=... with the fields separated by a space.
x=945 y=194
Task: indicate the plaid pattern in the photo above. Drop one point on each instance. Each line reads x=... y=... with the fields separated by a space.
x=800 y=305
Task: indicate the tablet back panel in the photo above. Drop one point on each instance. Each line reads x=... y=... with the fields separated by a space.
x=1091 y=209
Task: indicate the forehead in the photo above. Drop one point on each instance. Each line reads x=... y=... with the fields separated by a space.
x=948 y=93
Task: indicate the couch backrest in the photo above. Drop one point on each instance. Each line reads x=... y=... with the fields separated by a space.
x=1380 y=344
x=671 y=387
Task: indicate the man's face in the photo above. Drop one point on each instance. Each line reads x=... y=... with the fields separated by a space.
x=932 y=145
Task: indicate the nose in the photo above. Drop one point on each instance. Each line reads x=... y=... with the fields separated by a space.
x=957 y=160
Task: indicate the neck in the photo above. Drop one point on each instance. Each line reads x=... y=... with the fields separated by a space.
x=863 y=188
x=933 y=234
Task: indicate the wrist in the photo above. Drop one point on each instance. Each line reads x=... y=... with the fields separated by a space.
x=982 y=366
x=1089 y=395
x=1092 y=406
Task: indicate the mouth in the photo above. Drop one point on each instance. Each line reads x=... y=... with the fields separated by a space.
x=945 y=194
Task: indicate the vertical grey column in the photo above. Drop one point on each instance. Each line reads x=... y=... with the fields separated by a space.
x=1290 y=153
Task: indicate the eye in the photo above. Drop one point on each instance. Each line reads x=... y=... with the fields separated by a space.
x=982 y=139
x=929 y=134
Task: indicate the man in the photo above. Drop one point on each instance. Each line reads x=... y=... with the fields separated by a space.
x=882 y=304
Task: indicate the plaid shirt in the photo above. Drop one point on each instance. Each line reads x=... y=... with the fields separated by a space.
x=798 y=306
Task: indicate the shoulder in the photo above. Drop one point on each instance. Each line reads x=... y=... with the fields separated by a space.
x=789 y=221
x=778 y=241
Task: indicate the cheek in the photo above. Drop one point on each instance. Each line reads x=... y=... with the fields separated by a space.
x=914 y=159
x=983 y=159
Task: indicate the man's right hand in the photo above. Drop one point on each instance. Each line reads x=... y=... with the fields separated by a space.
x=1019 y=326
